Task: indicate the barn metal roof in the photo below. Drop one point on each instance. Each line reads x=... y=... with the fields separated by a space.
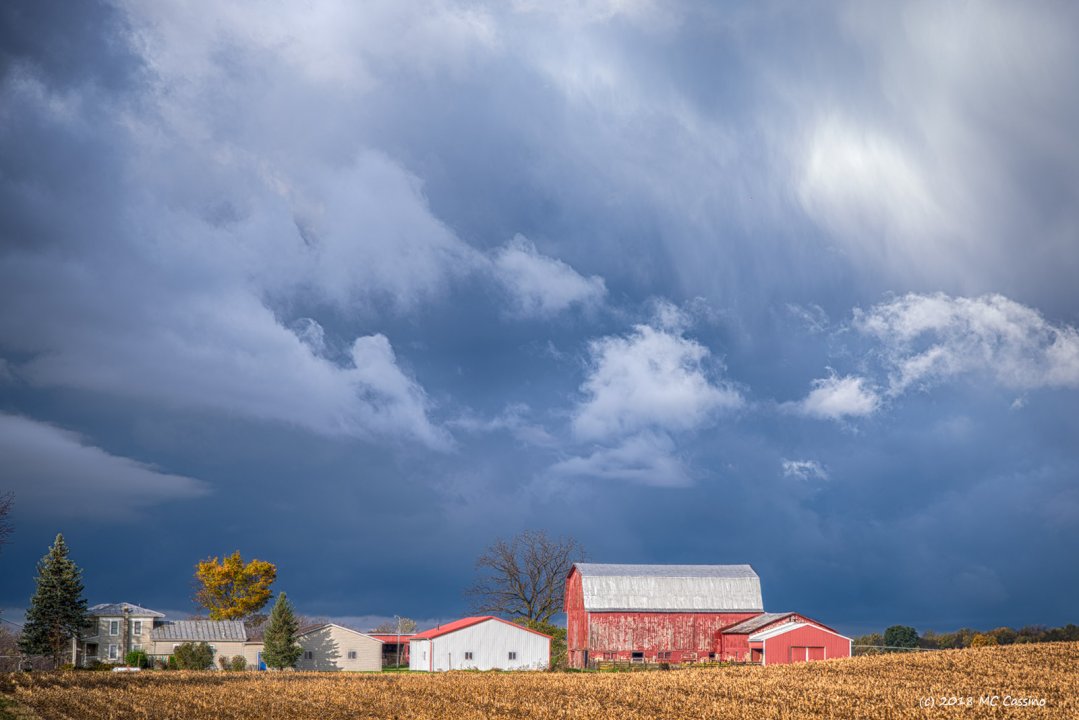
x=121 y=609
x=201 y=631
x=756 y=623
x=670 y=588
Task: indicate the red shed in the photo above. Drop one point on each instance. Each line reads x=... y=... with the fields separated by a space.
x=655 y=613
x=795 y=642
x=734 y=640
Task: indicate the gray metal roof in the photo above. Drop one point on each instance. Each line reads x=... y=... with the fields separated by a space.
x=756 y=623
x=121 y=609
x=201 y=631
x=670 y=588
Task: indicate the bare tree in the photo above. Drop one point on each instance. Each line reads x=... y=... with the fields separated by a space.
x=7 y=500
x=524 y=577
x=400 y=625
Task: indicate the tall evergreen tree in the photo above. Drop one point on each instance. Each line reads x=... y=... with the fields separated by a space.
x=57 y=610
x=279 y=647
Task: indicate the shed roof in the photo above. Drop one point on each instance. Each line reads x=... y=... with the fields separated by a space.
x=670 y=588
x=756 y=623
x=121 y=609
x=468 y=622
x=313 y=628
x=201 y=631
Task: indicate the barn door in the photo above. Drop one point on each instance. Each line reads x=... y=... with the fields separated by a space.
x=816 y=653
x=799 y=654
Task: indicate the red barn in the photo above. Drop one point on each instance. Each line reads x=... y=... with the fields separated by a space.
x=734 y=642
x=655 y=613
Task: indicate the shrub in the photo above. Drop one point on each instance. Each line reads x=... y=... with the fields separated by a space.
x=137 y=658
x=193 y=656
x=223 y=662
x=238 y=663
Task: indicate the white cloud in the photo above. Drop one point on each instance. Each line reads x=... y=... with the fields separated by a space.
x=513 y=420
x=646 y=458
x=804 y=469
x=834 y=398
x=541 y=286
x=929 y=338
x=55 y=473
x=652 y=378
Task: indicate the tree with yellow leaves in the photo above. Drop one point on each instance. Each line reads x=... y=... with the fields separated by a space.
x=231 y=589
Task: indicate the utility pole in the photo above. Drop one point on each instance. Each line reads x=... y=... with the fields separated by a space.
x=398 y=619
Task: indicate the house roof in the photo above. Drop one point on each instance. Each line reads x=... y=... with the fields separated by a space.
x=788 y=627
x=313 y=628
x=670 y=588
x=121 y=609
x=468 y=622
x=201 y=631
x=756 y=623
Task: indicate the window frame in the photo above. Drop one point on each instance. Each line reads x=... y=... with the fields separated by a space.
x=512 y=655
x=352 y=655
x=114 y=651
x=136 y=627
x=114 y=628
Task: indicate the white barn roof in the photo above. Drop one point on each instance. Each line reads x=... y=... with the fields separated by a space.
x=670 y=588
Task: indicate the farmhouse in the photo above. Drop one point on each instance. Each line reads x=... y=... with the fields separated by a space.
x=680 y=613
x=480 y=643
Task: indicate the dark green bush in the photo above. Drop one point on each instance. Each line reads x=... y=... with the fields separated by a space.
x=193 y=656
x=138 y=658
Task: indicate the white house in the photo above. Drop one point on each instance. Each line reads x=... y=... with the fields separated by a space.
x=479 y=643
x=333 y=647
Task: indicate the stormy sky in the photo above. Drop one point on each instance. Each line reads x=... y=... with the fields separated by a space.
x=358 y=288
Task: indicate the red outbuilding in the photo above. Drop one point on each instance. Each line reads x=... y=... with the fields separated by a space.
x=684 y=613
x=796 y=642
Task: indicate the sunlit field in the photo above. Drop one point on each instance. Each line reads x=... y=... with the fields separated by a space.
x=1013 y=681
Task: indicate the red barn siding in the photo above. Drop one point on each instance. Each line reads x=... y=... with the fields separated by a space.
x=576 y=620
x=802 y=641
x=687 y=636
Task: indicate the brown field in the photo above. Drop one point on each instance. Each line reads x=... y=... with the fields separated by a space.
x=886 y=686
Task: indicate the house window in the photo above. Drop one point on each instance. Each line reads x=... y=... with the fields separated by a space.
x=114 y=651
x=638 y=657
x=351 y=654
x=665 y=656
x=468 y=656
x=513 y=655
x=308 y=655
x=136 y=627
x=136 y=646
x=114 y=627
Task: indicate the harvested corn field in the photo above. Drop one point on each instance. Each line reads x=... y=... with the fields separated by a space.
x=1012 y=681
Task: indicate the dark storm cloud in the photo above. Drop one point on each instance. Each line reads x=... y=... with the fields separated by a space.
x=397 y=272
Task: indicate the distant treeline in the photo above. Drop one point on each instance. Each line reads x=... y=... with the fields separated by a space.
x=907 y=637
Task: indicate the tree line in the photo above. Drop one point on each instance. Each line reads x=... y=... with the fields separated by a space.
x=906 y=637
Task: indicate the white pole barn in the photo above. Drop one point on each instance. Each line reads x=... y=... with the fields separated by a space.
x=479 y=643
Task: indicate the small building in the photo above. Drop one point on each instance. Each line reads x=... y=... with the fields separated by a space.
x=480 y=643
x=734 y=641
x=395 y=647
x=114 y=630
x=797 y=642
x=334 y=647
x=227 y=639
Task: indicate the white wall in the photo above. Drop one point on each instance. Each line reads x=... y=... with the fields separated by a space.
x=419 y=654
x=490 y=643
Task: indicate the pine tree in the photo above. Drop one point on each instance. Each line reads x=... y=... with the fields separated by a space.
x=280 y=649
x=57 y=610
